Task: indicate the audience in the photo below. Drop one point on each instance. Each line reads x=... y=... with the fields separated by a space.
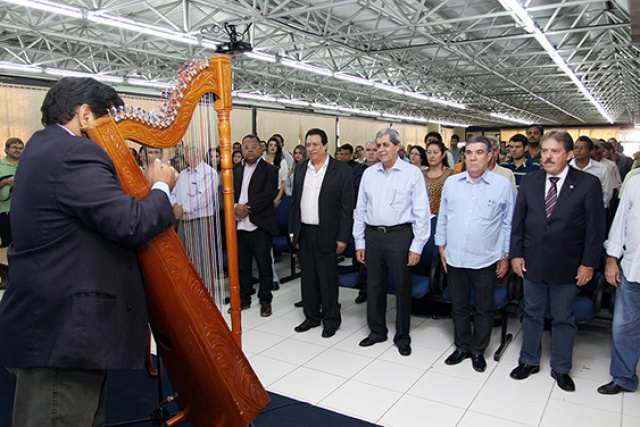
x=275 y=157
x=493 y=162
x=518 y=163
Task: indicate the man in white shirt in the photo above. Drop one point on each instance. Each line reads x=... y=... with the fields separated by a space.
x=624 y=242
x=493 y=162
x=583 y=161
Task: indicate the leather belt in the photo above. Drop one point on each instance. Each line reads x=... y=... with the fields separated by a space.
x=388 y=228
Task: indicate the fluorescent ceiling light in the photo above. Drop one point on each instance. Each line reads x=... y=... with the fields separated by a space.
x=255 y=96
x=293 y=102
x=389 y=88
x=353 y=79
x=530 y=26
x=47 y=6
x=512 y=119
x=261 y=56
x=306 y=67
x=446 y=123
x=447 y=103
x=70 y=73
x=19 y=67
x=417 y=95
x=324 y=106
x=128 y=24
x=149 y=83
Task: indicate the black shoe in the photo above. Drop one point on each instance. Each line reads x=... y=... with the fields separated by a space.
x=328 y=332
x=368 y=341
x=564 y=381
x=457 y=357
x=276 y=286
x=297 y=304
x=265 y=309
x=479 y=364
x=305 y=326
x=404 y=349
x=612 y=388
x=362 y=297
x=523 y=371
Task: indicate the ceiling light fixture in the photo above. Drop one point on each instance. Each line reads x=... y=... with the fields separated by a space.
x=128 y=24
x=296 y=102
x=512 y=119
x=255 y=96
x=306 y=67
x=47 y=6
x=353 y=79
x=19 y=67
x=70 y=73
x=261 y=56
x=522 y=16
x=149 y=83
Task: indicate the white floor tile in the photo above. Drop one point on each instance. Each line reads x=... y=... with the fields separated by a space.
x=389 y=375
x=294 y=351
x=477 y=419
x=277 y=326
x=539 y=384
x=509 y=404
x=411 y=411
x=307 y=385
x=351 y=344
x=254 y=341
x=361 y=400
x=435 y=334
x=446 y=389
x=270 y=370
x=338 y=362
x=586 y=394
x=421 y=357
x=563 y=414
x=464 y=369
x=631 y=404
x=628 y=421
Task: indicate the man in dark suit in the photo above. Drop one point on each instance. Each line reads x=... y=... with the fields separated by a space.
x=255 y=187
x=75 y=305
x=320 y=222
x=556 y=242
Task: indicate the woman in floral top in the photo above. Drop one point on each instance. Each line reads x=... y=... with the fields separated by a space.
x=437 y=173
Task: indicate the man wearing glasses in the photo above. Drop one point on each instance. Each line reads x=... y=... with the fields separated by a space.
x=582 y=161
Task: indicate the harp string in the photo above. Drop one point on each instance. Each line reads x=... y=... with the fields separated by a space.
x=198 y=191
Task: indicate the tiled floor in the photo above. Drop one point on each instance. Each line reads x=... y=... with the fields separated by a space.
x=376 y=384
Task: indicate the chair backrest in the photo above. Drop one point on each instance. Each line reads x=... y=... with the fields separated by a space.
x=430 y=251
x=282 y=216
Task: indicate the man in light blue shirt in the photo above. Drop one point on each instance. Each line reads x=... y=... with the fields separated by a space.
x=391 y=227
x=473 y=234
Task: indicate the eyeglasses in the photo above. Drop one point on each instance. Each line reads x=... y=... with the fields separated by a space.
x=581 y=148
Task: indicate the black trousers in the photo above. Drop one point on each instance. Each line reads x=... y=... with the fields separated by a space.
x=387 y=254
x=256 y=244
x=319 y=281
x=5 y=230
x=483 y=281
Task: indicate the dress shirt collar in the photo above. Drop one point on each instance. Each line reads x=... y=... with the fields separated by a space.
x=310 y=164
x=486 y=177
x=397 y=165
x=244 y=163
x=562 y=175
x=67 y=130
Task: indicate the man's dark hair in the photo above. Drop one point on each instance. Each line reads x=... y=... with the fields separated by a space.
x=62 y=101
x=315 y=131
x=540 y=128
x=518 y=137
x=587 y=140
x=608 y=146
x=347 y=147
x=251 y=136
x=11 y=141
x=483 y=139
x=456 y=137
x=560 y=136
x=430 y=134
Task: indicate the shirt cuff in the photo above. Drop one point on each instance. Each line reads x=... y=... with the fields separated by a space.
x=163 y=186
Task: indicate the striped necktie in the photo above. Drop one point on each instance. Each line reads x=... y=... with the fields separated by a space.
x=552 y=196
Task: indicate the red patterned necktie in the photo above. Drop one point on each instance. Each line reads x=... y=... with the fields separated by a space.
x=552 y=196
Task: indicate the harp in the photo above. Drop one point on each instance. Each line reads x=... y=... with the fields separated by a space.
x=213 y=381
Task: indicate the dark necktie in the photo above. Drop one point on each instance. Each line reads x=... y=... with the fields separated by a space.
x=552 y=196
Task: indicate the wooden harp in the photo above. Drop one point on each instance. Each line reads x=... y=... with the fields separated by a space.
x=213 y=381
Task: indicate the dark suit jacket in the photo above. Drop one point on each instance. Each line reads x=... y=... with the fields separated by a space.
x=263 y=188
x=553 y=248
x=76 y=297
x=335 y=204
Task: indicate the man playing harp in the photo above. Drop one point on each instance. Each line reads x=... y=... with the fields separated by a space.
x=75 y=306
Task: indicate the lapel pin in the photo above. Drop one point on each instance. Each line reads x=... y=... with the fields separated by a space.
x=571 y=187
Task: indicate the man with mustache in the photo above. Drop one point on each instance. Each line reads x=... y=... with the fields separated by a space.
x=556 y=241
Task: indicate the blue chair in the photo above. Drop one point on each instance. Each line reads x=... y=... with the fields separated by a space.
x=353 y=275
x=282 y=242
